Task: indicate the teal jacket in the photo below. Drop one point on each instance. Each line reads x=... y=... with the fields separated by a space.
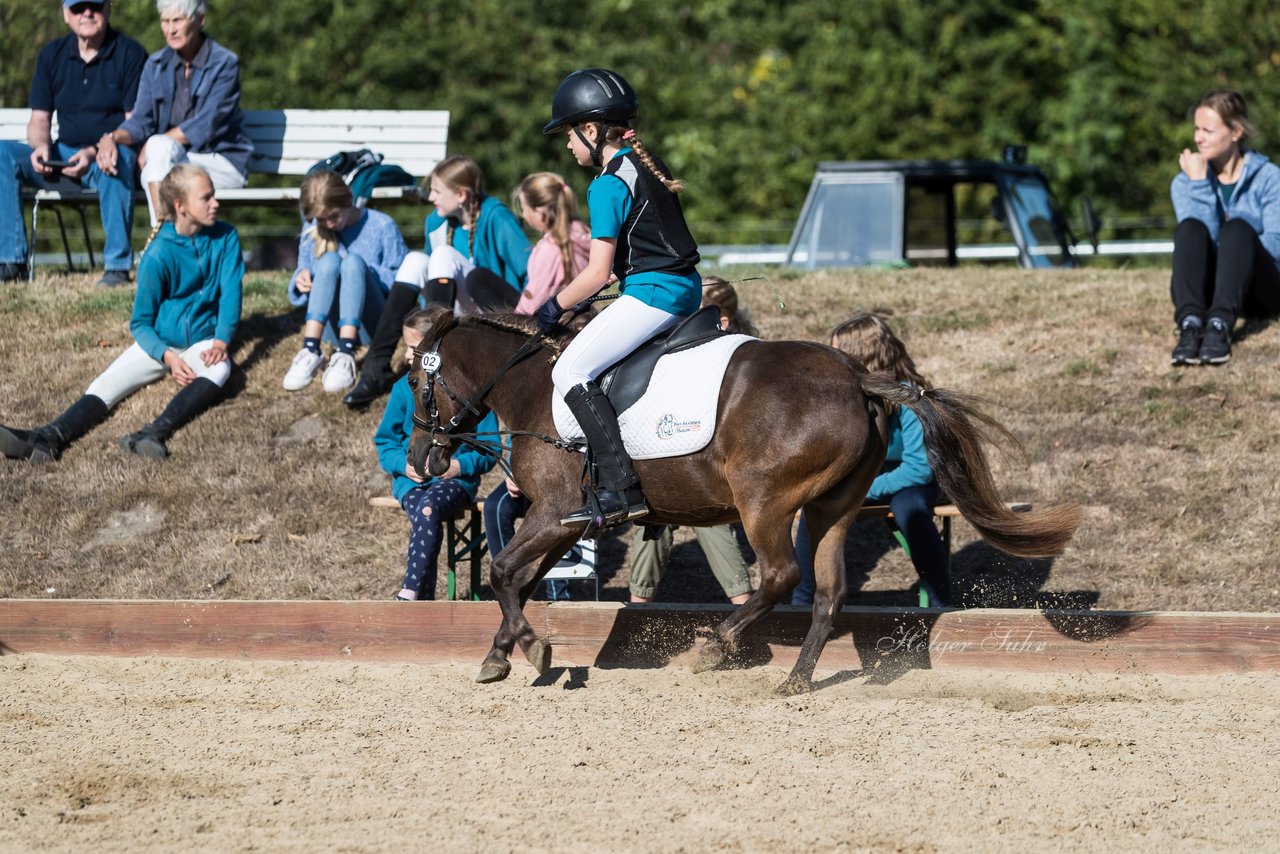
x=392 y=442
x=905 y=461
x=188 y=289
x=501 y=245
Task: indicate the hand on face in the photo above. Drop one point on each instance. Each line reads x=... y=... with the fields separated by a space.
x=1194 y=164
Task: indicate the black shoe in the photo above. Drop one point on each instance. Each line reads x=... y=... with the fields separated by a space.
x=185 y=405
x=615 y=508
x=16 y=444
x=12 y=272
x=114 y=279
x=1215 y=349
x=45 y=444
x=369 y=388
x=145 y=443
x=1188 y=350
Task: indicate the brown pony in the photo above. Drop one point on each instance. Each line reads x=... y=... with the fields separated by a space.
x=799 y=425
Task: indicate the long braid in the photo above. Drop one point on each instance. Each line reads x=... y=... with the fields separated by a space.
x=473 y=208
x=152 y=236
x=675 y=185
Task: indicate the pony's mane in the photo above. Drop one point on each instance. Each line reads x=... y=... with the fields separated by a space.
x=519 y=324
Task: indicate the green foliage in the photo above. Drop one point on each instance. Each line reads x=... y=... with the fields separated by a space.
x=743 y=99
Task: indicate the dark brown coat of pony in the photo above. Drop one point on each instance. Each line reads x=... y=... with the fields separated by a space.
x=799 y=426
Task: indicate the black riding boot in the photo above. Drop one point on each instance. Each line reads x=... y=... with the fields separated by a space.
x=186 y=405
x=45 y=444
x=376 y=376
x=619 y=495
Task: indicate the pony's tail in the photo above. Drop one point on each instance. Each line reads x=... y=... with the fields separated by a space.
x=954 y=431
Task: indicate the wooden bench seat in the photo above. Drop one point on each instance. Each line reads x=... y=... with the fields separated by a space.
x=286 y=142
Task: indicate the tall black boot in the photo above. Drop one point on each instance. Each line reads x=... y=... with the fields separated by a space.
x=619 y=497
x=376 y=375
x=45 y=444
x=186 y=405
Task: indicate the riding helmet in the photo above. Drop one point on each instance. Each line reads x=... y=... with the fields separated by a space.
x=592 y=95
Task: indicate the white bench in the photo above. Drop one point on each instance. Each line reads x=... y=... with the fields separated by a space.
x=286 y=142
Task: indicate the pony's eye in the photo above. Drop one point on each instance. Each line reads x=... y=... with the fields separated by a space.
x=413 y=382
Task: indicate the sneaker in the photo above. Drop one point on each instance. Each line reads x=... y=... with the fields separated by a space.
x=302 y=370
x=1215 y=349
x=12 y=271
x=113 y=278
x=1188 y=350
x=341 y=373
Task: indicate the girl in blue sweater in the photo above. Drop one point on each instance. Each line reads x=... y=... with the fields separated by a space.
x=427 y=502
x=347 y=260
x=906 y=482
x=1226 y=249
x=475 y=258
x=185 y=313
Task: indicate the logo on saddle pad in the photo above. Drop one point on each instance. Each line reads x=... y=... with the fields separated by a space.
x=676 y=414
x=669 y=427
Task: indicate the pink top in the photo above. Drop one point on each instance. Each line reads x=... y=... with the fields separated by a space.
x=546 y=267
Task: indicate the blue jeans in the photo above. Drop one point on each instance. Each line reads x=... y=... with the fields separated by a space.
x=345 y=292
x=912 y=510
x=115 y=200
x=501 y=510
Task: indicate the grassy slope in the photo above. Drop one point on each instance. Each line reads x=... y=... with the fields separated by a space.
x=265 y=496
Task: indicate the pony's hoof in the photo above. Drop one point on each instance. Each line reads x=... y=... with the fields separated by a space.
x=711 y=657
x=793 y=686
x=539 y=655
x=493 y=671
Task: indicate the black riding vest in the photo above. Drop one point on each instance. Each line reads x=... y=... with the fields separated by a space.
x=654 y=237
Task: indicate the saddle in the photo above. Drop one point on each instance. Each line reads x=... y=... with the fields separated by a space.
x=627 y=380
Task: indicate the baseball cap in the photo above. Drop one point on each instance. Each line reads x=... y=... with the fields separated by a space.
x=79 y=2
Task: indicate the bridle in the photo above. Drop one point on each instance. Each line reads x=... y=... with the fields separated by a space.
x=430 y=361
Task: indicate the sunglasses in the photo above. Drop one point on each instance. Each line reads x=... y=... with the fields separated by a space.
x=82 y=8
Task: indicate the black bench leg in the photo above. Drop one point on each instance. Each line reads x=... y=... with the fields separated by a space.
x=88 y=244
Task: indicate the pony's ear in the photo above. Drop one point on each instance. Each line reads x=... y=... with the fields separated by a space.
x=442 y=319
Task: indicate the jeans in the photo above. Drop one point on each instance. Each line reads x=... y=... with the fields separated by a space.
x=345 y=292
x=501 y=510
x=115 y=201
x=912 y=510
x=1236 y=277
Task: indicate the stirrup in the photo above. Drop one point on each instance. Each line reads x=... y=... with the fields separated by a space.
x=606 y=508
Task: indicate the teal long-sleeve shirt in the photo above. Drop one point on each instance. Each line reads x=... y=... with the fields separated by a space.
x=392 y=442
x=501 y=245
x=189 y=289
x=905 y=462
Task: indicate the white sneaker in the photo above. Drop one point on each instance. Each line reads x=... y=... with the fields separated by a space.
x=341 y=373
x=302 y=370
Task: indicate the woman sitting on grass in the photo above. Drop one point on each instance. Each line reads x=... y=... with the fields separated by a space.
x=185 y=313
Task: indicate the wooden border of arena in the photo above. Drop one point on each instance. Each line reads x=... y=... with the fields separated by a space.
x=613 y=635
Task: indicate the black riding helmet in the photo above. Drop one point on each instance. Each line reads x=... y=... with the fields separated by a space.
x=592 y=95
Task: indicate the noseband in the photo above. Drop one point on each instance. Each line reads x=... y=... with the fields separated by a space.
x=430 y=361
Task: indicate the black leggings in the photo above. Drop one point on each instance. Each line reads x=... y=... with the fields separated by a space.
x=1237 y=277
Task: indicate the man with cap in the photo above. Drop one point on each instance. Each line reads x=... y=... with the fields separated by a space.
x=89 y=78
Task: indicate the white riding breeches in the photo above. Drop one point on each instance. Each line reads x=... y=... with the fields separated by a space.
x=444 y=262
x=612 y=334
x=133 y=369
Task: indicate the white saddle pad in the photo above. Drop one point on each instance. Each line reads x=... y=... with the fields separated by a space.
x=677 y=413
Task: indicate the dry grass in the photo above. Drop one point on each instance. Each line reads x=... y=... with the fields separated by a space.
x=265 y=496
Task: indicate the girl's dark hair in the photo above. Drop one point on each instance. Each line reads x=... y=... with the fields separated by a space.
x=718 y=292
x=1230 y=105
x=868 y=338
x=460 y=173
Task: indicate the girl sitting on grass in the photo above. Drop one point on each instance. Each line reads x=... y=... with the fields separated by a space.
x=185 y=313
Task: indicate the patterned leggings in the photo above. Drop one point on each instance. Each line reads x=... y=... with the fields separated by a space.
x=427 y=507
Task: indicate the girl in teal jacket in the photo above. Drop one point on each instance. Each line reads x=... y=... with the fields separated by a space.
x=427 y=502
x=906 y=481
x=185 y=314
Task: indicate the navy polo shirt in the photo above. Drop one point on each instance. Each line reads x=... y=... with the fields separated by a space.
x=89 y=98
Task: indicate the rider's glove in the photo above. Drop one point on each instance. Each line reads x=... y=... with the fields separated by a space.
x=548 y=315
